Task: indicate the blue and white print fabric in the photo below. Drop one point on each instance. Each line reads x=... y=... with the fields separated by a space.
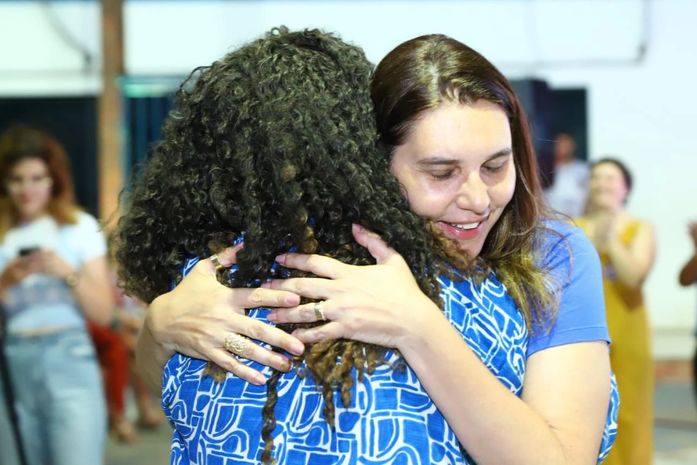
x=391 y=419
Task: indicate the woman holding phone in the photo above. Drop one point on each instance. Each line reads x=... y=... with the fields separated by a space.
x=54 y=278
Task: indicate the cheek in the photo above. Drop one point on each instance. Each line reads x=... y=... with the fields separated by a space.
x=502 y=193
x=428 y=200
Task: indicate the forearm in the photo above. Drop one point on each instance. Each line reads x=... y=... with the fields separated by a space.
x=491 y=423
x=628 y=270
x=688 y=273
x=95 y=299
x=151 y=357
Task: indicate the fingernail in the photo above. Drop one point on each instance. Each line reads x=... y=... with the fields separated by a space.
x=272 y=316
x=281 y=259
x=259 y=380
x=297 y=348
x=284 y=364
x=292 y=300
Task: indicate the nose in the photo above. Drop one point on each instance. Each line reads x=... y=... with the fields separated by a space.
x=473 y=195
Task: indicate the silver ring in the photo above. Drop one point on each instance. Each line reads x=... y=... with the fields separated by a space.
x=216 y=262
x=237 y=344
x=319 y=314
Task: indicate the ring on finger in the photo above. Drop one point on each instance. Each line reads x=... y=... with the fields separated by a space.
x=319 y=313
x=216 y=262
x=237 y=344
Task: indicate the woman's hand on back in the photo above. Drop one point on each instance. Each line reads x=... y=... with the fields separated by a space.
x=199 y=313
x=378 y=304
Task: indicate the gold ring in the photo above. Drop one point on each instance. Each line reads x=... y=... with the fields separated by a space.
x=319 y=314
x=237 y=344
x=216 y=262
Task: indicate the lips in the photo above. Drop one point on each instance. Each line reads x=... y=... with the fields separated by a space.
x=462 y=231
x=465 y=226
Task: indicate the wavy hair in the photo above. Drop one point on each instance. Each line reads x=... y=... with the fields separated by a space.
x=276 y=140
x=20 y=143
x=419 y=75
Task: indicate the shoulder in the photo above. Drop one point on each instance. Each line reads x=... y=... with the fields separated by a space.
x=87 y=235
x=85 y=223
x=641 y=225
x=560 y=242
x=575 y=276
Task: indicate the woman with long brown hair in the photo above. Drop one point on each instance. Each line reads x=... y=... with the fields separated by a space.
x=53 y=279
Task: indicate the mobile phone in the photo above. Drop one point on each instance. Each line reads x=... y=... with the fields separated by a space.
x=24 y=251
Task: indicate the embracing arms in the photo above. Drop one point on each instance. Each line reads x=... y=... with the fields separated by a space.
x=195 y=317
x=561 y=416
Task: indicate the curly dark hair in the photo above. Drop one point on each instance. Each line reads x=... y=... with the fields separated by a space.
x=276 y=140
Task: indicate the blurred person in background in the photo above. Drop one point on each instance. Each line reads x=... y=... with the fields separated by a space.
x=115 y=346
x=113 y=358
x=54 y=278
x=627 y=248
x=567 y=194
x=129 y=317
x=688 y=276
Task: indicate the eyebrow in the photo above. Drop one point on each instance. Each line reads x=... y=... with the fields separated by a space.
x=442 y=161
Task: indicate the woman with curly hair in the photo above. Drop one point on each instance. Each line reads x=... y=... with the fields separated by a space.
x=454 y=136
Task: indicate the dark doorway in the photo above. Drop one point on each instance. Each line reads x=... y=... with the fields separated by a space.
x=71 y=120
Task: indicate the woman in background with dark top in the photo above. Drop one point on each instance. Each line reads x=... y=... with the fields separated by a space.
x=627 y=248
x=54 y=277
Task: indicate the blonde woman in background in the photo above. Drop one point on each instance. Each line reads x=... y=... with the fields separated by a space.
x=627 y=248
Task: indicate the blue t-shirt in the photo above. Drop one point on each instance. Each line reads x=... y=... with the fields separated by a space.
x=578 y=279
x=391 y=419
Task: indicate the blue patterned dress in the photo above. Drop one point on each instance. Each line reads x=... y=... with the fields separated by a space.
x=391 y=419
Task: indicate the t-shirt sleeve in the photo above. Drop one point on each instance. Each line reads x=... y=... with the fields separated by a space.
x=90 y=239
x=574 y=267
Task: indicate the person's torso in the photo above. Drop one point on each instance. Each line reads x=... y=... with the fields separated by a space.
x=391 y=418
x=40 y=300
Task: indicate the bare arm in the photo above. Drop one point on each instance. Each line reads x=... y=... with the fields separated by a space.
x=633 y=262
x=93 y=291
x=688 y=273
x=559 y=420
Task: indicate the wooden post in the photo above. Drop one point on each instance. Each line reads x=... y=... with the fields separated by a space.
x=111 y=176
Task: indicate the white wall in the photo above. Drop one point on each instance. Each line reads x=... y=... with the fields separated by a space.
x=642 y=110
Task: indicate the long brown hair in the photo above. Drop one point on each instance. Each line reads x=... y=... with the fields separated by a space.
x=421 y=74
x=20 y=143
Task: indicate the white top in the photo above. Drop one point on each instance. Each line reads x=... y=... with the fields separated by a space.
x=41 y=300
x=568 y=193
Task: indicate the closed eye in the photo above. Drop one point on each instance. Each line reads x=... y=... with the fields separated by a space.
x=495 y=168
x=442 y=175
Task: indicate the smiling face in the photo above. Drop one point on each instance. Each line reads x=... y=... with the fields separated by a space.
x=29 y=185
x=607 y=187
x=456 y=166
